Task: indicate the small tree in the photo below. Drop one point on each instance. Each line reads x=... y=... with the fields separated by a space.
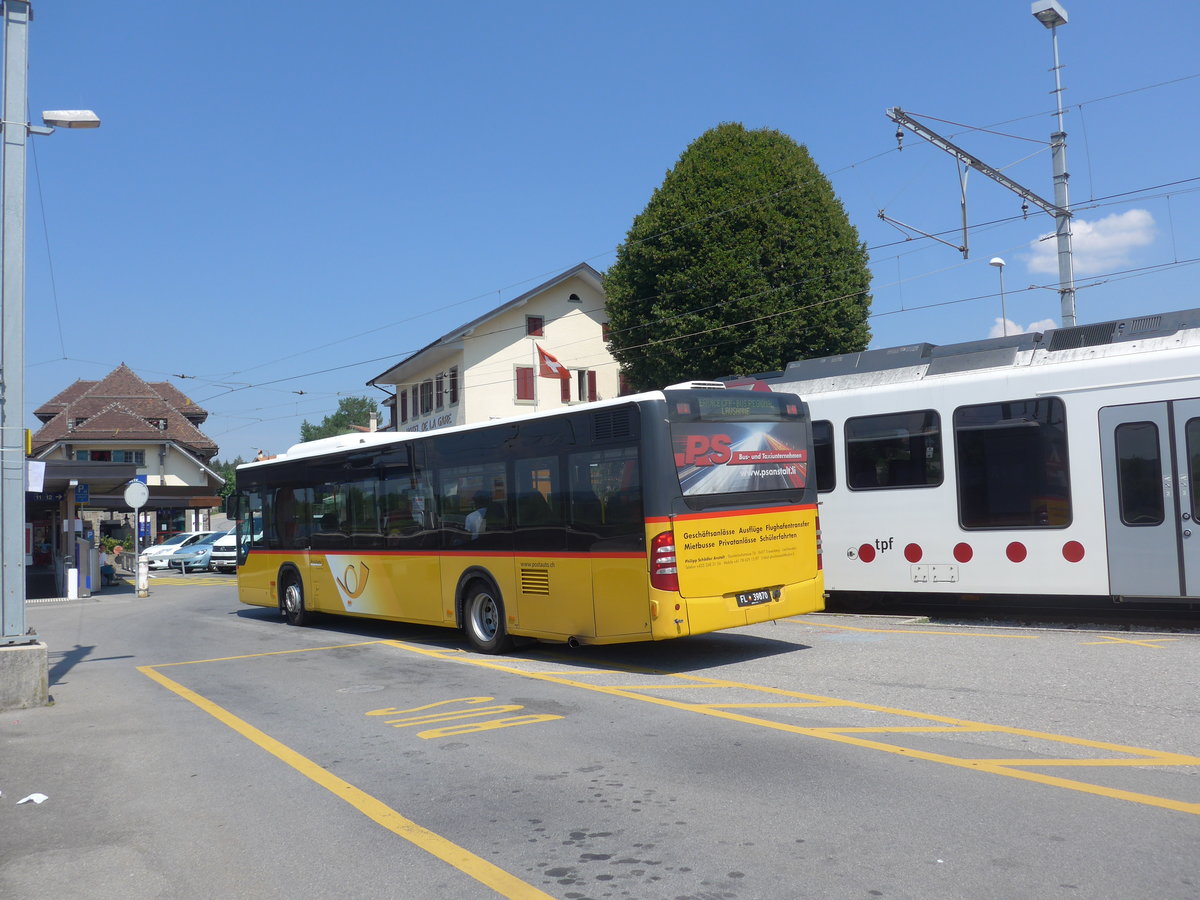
x=351 y=412
x=743 y=260
x=226 y=469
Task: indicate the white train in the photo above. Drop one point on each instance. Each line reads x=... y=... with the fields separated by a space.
x=1065 y=463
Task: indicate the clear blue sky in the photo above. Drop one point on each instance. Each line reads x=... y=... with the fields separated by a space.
x=289 y=196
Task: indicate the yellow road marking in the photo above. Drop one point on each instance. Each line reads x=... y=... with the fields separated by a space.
x=1135 y=756
x=983 y=634
x=205 y=580
x=468 y=863
x=1152 y=643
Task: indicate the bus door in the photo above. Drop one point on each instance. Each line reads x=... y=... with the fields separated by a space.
x=1150 y=456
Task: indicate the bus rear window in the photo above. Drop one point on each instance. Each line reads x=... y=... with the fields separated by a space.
x=727 y=458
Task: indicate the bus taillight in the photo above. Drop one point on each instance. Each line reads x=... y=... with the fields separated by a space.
x=664 y=573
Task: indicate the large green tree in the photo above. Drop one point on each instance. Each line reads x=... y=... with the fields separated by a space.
x=352 y=414
x=743 y=260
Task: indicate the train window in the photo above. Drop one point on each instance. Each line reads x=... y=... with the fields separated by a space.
x=894 y=450
x=1193 y=462
x=1139 y=473
x=822 y=433
x=1012 y=464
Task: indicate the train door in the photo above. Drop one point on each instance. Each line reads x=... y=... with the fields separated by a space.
x=1150 y=456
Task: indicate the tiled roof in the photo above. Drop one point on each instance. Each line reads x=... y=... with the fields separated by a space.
x=121 y=406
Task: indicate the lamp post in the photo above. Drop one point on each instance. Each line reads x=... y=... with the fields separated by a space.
x=1051 y=14
x=16 y=129
x=999 y=264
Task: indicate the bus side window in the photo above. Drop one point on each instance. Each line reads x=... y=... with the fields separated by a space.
x=606 y=500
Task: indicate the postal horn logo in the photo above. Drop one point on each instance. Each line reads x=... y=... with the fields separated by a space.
x=352 y=583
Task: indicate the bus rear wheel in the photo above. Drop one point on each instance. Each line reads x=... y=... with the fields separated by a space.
x=292 y=602
x=484 y=615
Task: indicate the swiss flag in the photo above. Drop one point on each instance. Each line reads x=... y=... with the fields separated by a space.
x=549 y=367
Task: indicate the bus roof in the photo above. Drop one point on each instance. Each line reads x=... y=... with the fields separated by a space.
x=320 y=447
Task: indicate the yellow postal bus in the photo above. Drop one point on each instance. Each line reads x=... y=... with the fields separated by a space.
x=647 y=517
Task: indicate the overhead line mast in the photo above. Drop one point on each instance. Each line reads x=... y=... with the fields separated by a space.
x=1051 y=14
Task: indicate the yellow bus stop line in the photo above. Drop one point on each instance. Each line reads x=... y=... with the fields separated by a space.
x=1152 y=643
x=1165 y=760
x=196 y=662
x=486 y=873
x=837 y=737
x=907 y=729
x=803 y=620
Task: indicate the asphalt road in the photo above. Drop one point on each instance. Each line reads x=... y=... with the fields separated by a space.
x=198 y=748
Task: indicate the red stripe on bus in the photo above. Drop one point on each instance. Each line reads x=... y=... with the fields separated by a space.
x=451 y=554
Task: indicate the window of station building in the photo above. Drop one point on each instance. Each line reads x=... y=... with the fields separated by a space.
x=525 y=384
x=1012 y=464
x=404 y=405
x=895 y=450
x=585 y=385
x=439 y=391
x=535 y=326
x=822 y=432
x=137 y=457
x=452 y=379
x=1139 y=473
x=426 y=396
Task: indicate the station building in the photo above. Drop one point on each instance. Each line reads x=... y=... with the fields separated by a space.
x=542 y=350
x=96 y=437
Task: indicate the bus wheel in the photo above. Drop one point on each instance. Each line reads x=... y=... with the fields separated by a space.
x=293 y=602
x=485 y=620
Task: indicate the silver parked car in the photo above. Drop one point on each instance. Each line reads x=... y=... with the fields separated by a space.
x=156 y=556
x=196 y=556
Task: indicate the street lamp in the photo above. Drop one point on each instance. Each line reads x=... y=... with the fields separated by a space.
x=16 y=130
x=1051 y=14
x=999 y=264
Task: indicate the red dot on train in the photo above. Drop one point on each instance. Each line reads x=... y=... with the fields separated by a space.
x=1016 y=551
x=866 y=553
x=912 y=553
x=1072 y=551
x=963 y=552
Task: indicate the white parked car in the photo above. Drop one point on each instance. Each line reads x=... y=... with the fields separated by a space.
x=156 y=557
x=224 y=553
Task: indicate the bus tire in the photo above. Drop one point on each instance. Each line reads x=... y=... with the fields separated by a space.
x=291 y=601
x=483 y=619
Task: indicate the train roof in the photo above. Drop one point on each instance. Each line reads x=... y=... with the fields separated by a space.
x=916 y=361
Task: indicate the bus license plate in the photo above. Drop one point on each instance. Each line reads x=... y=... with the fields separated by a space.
x=753 y=598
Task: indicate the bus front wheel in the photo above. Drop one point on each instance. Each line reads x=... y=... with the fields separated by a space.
x=484 y=614
x=293 y=602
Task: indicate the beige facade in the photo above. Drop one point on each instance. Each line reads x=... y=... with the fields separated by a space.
x=490 y=367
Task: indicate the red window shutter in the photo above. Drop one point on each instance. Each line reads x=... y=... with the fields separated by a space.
x=591 y=385
x=564 y=389
x=524 y=382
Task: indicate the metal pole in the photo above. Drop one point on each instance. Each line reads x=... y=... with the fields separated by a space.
x=1003 y=311
x=12 y=325
x=1062 y=219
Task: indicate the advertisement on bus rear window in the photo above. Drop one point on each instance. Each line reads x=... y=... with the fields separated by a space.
x=728 y=457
